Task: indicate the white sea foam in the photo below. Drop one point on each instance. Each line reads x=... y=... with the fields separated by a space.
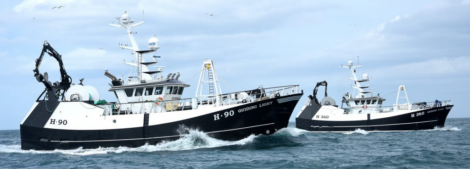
x=193 y=140
x=357 y=131
x=295 y=132
x=447 y=128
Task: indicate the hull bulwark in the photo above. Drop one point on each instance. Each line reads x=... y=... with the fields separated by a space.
x=414 y=120
x=261 y=117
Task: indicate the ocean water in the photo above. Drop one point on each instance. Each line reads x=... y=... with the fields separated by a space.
x=447 y=147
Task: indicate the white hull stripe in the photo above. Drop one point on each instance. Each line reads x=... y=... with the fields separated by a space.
x=288 y=99
x=396 y=124
x=80 y=141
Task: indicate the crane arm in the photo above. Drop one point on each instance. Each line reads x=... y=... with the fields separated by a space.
x=315 y=90
x=66 y=80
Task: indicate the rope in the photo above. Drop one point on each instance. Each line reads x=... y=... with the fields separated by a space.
x=390 y=93
x=94 y=107
x=194 y=75
x=227 y=84
x=45 y=102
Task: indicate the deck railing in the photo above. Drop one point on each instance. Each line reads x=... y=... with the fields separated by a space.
x=226 y=99
x=415 y=106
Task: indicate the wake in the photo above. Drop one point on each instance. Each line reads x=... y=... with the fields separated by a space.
x=446 y=128
x=357 y=131
x=194 y=139
x=190 y=140
x=291 y=131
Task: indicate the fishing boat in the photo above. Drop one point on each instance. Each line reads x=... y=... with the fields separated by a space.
x=149 y=107
x=364 y=110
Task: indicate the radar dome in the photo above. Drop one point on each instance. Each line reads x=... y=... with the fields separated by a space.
x=154 y=43
x=125 y=18
x=350 y=63
x=365 y=76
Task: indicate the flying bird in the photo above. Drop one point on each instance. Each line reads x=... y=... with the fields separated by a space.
x=210 y=14
x=57 y=7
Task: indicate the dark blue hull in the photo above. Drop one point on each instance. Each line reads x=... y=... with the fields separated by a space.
x=262 y=120
x=431 y=118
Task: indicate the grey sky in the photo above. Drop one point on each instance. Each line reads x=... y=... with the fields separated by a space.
x=421 y=44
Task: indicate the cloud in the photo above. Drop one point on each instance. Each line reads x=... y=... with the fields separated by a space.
x=78 y=59
x=431 y=69
x=31 y=5
x=265 y=42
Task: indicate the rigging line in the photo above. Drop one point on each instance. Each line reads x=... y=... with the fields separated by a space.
x=227 y=84
x=195 y=75
x=390 y=93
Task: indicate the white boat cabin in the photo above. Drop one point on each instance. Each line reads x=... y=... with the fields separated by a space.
x=171 y=90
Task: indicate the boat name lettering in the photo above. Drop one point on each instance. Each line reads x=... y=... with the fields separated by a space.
x=225 y=115
x=247 y=108
x=419 y=114
x=266 y=104
x=322 y=117
x=59 y=122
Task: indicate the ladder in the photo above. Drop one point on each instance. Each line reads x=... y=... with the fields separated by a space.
x=211 y=81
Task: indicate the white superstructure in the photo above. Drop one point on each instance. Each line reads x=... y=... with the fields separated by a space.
x=147 y=91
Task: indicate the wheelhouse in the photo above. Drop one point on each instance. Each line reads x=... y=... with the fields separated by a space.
x=164 y=90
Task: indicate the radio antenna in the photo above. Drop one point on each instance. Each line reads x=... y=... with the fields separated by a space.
x=143 y=15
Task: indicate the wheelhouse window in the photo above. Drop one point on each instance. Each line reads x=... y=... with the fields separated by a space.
x=168 y=89
x=362 y=102
x=368 y=101
x=180 y=90
x=380 y=101
x=374 y=101
x=148 y=91
x=158 y=90
x=175 y=90
x=357 y=102
x=129 y=92
x=138 y=91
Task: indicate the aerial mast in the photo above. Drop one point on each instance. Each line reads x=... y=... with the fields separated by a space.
x=357 y=82
x=125 y=22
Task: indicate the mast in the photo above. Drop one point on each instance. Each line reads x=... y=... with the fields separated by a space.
x=365 y=78
x=402 y=88
x=125 y=22
x=209 y=76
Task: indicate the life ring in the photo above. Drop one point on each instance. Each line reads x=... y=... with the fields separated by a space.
x=159 y=100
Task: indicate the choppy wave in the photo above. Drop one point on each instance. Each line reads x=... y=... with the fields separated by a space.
x=357 y=131
x=291 y=131
x=447 y=128
x=193 y=140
